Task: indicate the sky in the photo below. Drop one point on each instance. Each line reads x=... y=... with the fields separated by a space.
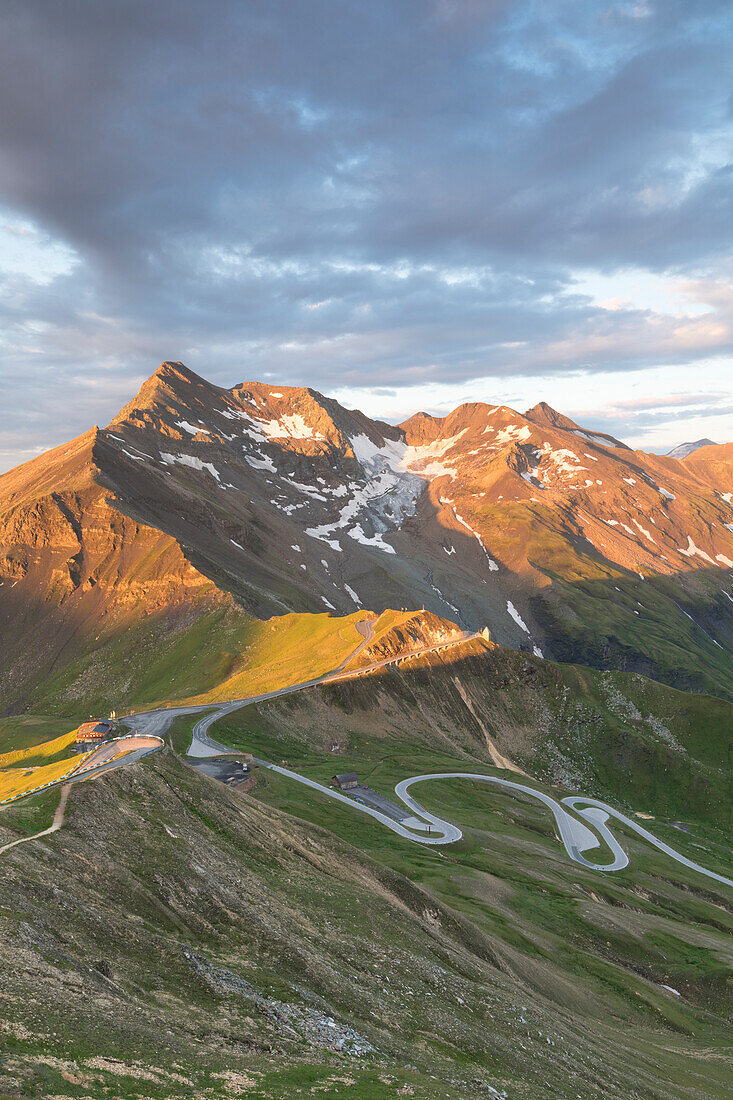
x=403 y=204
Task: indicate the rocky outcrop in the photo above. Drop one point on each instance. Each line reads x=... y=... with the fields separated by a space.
x=405 y=634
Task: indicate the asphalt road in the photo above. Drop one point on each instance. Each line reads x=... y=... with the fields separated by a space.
x=598 y=812
x=203 y=745
x=122 y=750
x=575 y=835
x=578 y=834
x=157 y=722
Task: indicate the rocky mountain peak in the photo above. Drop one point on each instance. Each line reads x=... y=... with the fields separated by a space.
x=683 y=450
x=422 y=428
x=171 y=387
x=542 y=413
x=288 y=501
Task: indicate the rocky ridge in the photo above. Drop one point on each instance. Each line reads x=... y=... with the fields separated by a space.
x=278 y=499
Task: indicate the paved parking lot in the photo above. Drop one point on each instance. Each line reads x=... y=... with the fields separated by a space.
x=368 y=797
x=223 y=769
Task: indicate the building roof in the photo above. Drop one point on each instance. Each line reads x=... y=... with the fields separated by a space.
x=94 y=729
x=347 y=777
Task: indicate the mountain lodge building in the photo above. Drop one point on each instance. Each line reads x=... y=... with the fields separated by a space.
x=346 y=781
x=94 y=731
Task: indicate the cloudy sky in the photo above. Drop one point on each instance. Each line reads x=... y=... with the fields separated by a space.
x=405 y=204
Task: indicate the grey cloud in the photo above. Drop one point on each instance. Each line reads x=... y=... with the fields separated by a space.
x=638 y=425
x=675 y=401
x=331 y=194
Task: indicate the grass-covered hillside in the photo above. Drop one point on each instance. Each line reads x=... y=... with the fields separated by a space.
x=33 y=764
x=216 y=655
x=677 y=631
x=178 y=939
x=619 y=736
x=221 y=654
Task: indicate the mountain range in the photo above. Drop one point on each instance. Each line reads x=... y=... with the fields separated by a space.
x=259 y=501
x=685 y=449
x=190 y=924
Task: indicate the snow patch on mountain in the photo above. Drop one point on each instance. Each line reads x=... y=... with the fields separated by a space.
x=253 y=430
x=261 y=462
x=618 y=523
x=492 y=564
x=591 y=438
x=376 y=540
x=693 y=550
x=352 y=593
x=425 y=460
x=192 y=429
x=532 y=475
x=377 y=504
x=444 y=598
x=643 y=530
x=517 y=617
x=325 y=534
x=368 y=454
x=307 y=489
x=566 y=462
x=189 y=460
x=291 y=426
x=512 y=434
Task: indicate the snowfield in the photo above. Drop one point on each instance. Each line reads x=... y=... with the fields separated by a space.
x=189 y=460
x=192 y=429
x=517 y=617
x=291 y=425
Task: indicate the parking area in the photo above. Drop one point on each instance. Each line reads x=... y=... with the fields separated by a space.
x=226 y=770
x=368 y=797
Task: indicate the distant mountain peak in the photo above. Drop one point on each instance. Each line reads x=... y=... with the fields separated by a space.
x=542 y=413
x=682 y=450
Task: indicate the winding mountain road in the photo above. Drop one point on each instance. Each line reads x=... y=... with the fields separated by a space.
x=158 y=721
x=575 y=835
x=581 y=822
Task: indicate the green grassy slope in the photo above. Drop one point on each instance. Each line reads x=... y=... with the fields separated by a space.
x=217 y=655
x=677 y=632
x=24 y=732
x=202 y=935
x=619 y=736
